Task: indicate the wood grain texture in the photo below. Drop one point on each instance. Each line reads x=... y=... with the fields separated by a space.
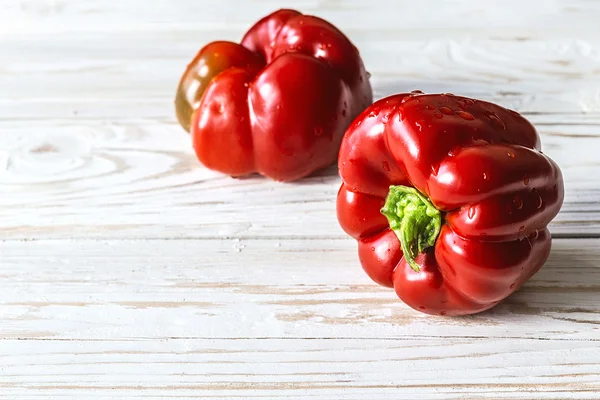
x=264 y=289
x=324 y=369
x=509 y=18
x=59 y=78
x=107 y=107
x=218 y=319
x=129 y=271
x=146 y=181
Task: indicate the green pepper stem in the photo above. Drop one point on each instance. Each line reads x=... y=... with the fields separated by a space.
x=414 y=219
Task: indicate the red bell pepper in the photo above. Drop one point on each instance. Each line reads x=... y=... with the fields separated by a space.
x=278 y=103
x=448 y=198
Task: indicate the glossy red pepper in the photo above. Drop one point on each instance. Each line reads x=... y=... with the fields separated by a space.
x=448 y=198
x=278 y=103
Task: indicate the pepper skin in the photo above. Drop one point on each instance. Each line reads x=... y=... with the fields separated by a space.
x=448 y=198
x=278 y=103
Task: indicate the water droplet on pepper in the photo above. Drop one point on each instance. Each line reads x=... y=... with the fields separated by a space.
x=518 y=202
x=454 y=151
x=446 y=110
x=218 y=108
x=465 y=115
x=471 y=212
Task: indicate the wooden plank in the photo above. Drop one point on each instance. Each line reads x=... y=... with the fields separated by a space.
x=108 y=105
x=59 y=78
x=120 y=85
x=347 y=369
x=550 y=19
x=142 y=175
x=248 y=288
x=209 y=289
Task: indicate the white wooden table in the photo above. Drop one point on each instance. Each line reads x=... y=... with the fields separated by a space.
x=129 y=271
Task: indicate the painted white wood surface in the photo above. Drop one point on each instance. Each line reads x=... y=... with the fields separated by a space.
x=127 y=270
x=280 y=319
x=263 y=288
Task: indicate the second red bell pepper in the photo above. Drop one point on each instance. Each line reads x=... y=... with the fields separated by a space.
x=279 y=102
x=449 y=199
